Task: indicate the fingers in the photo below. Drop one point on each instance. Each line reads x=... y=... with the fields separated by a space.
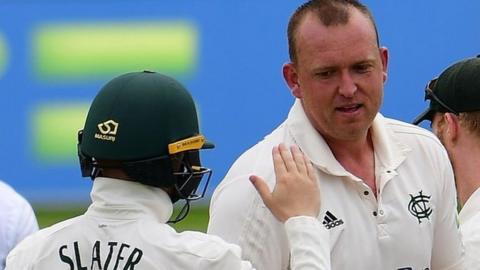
x=287 y=157
x=278 y=162
x=262 y=189
x=299 y=159
x=309 y=166
x=296 y=190
x=289 y=160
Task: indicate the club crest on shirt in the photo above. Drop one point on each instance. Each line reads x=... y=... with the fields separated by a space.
x=419 y=206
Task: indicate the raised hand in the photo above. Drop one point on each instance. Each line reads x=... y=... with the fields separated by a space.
x=296 y=190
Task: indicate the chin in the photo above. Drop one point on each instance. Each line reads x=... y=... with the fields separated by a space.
x=352 y=132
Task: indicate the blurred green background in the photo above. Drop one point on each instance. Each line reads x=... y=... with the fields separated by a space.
x=47 y=215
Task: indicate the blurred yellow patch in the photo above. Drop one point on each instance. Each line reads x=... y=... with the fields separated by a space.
x=101 y=49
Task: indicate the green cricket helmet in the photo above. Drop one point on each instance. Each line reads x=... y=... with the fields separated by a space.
x=147 y=122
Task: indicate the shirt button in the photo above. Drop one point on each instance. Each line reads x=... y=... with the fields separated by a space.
x=374 y=213
x=380 y=212
x=366 y=193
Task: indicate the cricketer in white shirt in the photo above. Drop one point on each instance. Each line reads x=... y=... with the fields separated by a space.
x=469 y=218
x=124 y=228
x=17 y=220
x=409 y=225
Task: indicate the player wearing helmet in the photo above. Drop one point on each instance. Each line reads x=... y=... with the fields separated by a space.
x=140 y=146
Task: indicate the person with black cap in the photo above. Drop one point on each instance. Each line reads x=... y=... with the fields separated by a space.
x=454 y=113
x=140 y=146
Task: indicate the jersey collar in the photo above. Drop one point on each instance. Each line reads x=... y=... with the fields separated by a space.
x=388 y=149
x=120 y=199
x=471 y=207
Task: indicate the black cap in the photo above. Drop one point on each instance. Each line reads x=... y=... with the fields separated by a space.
x=456 y=90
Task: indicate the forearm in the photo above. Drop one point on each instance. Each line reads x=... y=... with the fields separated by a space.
x=309 y=243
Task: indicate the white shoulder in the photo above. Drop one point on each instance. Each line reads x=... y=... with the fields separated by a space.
x=33 y=244
x=210 y=251
x=256 y=160
x=10 y=197
x=411 y=132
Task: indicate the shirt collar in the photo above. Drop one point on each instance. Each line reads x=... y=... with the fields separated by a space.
x=111 y=196
x=389 y=150
x=471 y=207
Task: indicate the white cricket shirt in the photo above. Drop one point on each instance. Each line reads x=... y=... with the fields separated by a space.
x=124 y=228
x=17 y=220
x=411 y=225
x=469 y=218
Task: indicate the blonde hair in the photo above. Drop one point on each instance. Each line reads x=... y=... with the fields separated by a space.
x=471 y=121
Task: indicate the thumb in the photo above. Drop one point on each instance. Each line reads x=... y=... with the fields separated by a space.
x=262 y=188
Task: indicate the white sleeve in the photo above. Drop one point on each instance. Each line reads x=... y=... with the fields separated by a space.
x=221 y=255
x=17 y=220
x=24 y=224
x=22 y=256
x=15 y=261
x=447 y=251
x=309 y=243
x=230 y=259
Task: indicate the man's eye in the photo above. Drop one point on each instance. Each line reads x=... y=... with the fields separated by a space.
x=325 y=74
x=363 y=68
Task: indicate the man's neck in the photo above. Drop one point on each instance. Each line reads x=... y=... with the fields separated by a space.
x=467 y=177
x=466 y=165
x=357 y=157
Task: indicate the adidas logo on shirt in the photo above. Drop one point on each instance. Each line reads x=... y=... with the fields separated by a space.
x=330 y=221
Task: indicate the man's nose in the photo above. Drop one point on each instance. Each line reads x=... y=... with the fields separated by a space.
x=347 y=86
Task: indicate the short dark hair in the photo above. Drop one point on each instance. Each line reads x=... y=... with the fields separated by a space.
x=330 y=12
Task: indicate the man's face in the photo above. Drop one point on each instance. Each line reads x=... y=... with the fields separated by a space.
x=439 y=128
x=339 y=75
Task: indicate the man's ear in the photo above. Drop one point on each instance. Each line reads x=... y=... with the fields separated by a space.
x=291 y=78
x=452 y=126
x=384 y=57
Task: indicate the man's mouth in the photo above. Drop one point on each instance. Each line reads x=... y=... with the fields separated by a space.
x=349 y=108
